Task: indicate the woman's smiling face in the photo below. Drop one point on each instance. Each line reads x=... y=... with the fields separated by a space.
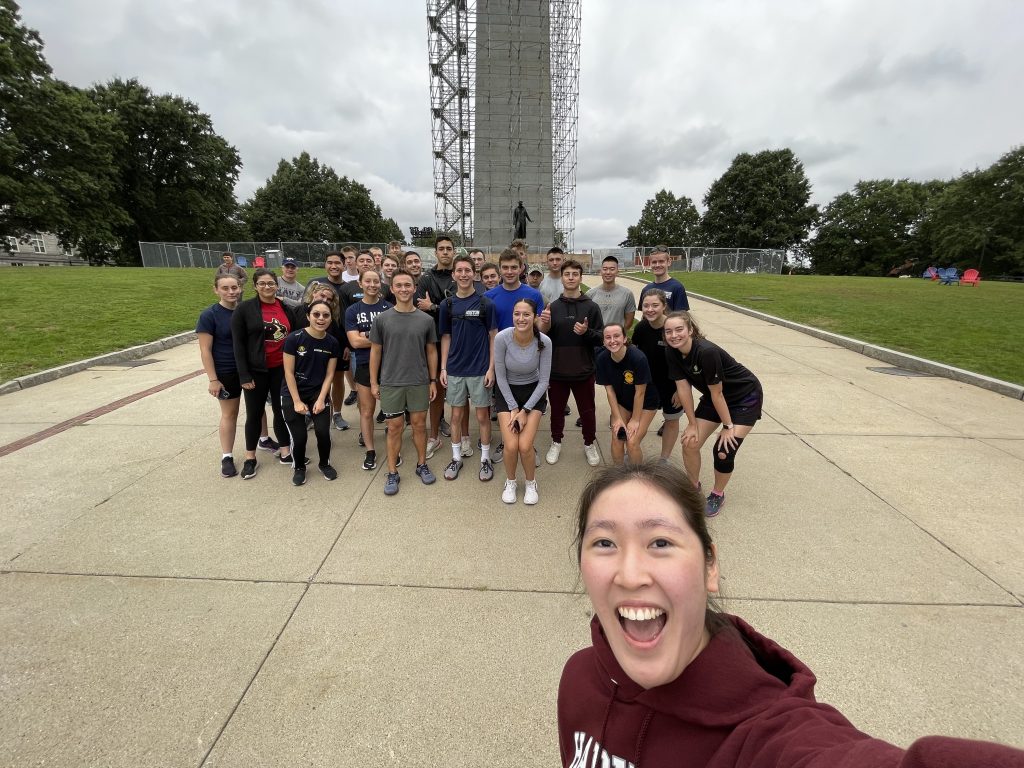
x=648 y=578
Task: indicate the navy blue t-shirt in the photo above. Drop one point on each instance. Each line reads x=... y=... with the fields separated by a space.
x=469 y=321
x=674 y=292
x=505 y=300
x=623 y=377
x=359 y=317
x=311 y=358
x=216 y=321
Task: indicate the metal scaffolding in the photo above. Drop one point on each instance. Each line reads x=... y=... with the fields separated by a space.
x=452 y=51
x=452 y=46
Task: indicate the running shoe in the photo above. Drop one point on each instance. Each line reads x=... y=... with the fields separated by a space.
x=714 y=504
x=579 y=422
x=445 y=428
x=289 y=461
x=593 y=454
x=553 y=453
x=509 y=494
x=328 y=471
x=467 y=447
x=351 y=398
x=486 y=470
x=530 y=495
x=391 y=481
x=362 y=443
x=370 y=462
x=424 y=473
x=499 y=449
x=380 y=417
x=268 y=444
x=568 y=411
x=451 y=472
x=227 y=467
x=398 y=461
x=339 y=422
x=661 y=429
x=299 y=476
x=249 y=468
x=432 y=445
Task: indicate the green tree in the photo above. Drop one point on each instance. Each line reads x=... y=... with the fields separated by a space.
x=305 y=200
x=176 y=175
x=761 y=201
x=877 y=226
x=978 y=220
x=56 y=148
x=665 y=219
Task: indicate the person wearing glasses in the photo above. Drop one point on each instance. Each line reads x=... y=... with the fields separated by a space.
x=258 y=330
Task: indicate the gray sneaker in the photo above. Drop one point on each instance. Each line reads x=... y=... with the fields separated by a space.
x=424 y=473
x=445 y=428
x=339 y=422
x=486 y=470
x=391 y=481
x=452 y=470
x=714 y=504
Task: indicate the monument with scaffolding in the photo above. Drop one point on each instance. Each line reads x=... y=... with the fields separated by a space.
x=504 y=93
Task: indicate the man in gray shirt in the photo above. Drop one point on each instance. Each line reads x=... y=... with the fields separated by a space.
x=551 y=286
x=403 y=375
x=289 y=289
x=616 y=302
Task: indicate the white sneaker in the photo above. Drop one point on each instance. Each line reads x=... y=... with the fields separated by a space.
x=509 y=494
x=530 y=496
x=553 y=453
x=467 y=447
x=432 y=445
x=593 y=454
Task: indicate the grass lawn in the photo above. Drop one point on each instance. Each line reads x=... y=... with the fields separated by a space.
x=57 y=315
x=980 y=329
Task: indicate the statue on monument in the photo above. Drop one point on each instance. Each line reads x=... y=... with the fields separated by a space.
x=519 y=218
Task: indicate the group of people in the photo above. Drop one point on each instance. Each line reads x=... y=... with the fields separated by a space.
x=472 y=335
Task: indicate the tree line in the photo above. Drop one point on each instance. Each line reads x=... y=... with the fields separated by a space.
x=107 y=166
x=880 y=227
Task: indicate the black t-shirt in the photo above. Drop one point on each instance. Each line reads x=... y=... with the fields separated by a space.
x=709 y=364
x=651 y=341
x=311 y=358
x=625 y=375
x=349 y=294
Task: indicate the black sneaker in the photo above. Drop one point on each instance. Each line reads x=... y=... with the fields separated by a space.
x=661 y=429
x=328 y=471
x=370 y=462
x=380 y=417
x=299 y=476
x=352 y=397
x=289 y=460
x=362 y=443
x=227 y=467
x=714 y=504
x=249 y=468
x=398 y=462
x=268 y=444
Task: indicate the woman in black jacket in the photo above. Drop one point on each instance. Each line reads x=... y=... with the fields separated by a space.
x=258 y=330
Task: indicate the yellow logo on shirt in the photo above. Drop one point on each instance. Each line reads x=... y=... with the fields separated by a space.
x=628 y=377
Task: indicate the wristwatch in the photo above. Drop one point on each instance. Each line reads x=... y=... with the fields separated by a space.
x=727 y=426
x=527 y=410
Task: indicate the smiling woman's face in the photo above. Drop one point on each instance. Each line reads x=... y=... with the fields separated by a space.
x=648 y=579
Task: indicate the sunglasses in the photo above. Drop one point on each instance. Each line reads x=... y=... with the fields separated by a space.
x=320 y=315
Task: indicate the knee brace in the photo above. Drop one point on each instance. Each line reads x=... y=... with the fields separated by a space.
x=726 y=459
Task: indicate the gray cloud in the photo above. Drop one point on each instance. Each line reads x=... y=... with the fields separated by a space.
x=640 y=152
x=915 y=71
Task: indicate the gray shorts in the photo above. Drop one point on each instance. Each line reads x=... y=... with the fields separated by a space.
x=395 y=401
x=462 y=388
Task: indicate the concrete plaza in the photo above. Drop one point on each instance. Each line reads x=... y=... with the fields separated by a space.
x=155 y=614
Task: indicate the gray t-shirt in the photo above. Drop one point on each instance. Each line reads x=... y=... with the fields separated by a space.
x=518 y=365
x=403 y=337
x=551 y=288
x=614 y=304
x=290 y=292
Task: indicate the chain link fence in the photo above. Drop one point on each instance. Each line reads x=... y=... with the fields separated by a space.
x=700 y=259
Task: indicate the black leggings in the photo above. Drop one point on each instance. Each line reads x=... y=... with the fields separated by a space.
x=297 y=428
x=256 y=405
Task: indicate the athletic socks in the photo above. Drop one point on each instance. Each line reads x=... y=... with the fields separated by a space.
x=485 y=452
x=457 y=451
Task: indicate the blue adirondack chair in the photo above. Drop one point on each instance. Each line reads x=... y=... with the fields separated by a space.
x=949 y=276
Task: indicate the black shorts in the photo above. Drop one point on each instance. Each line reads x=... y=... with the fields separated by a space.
x=744 y=413
x=230 y=386
x=521 y=393
x=666 y=390
x=362 y=375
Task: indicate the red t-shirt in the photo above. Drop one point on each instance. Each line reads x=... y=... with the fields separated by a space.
x=275 y=329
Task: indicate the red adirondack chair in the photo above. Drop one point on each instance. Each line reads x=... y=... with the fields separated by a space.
x=970 y=277
x=259 y=262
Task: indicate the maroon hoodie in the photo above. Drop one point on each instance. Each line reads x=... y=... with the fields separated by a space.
x=737 y=705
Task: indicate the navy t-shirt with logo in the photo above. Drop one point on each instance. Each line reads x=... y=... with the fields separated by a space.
x=360 y=317
x=674 y=292
x=624 y=376
x=312 y=356
x=469 y=321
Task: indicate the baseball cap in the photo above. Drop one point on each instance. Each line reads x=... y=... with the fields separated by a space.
x=289 y=262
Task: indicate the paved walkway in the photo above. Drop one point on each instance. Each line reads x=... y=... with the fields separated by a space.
x=154 y=614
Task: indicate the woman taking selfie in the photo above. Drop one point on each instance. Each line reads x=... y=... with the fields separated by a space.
x=671 y=681
x=522 y=366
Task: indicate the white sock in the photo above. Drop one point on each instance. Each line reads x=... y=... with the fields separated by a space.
x=227 y=456
x=457 y=451
x=485 y=452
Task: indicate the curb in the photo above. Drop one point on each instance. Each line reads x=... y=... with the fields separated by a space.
x=884 y=354
x=132 y=353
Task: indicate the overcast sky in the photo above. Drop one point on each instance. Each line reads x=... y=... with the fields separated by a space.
x=670 y=90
